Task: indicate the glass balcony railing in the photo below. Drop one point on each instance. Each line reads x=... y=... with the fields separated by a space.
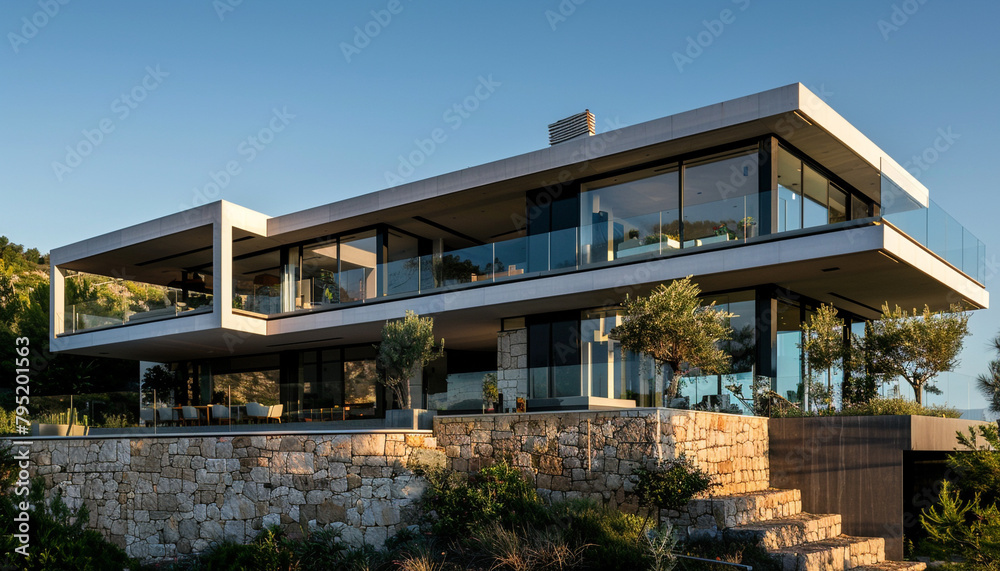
x=109 y=312
x=935 y=229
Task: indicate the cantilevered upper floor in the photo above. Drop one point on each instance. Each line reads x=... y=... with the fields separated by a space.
x=774 y=188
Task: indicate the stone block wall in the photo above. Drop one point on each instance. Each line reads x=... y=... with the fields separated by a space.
x=512 y=366
x=592 y=454
x=169 y=496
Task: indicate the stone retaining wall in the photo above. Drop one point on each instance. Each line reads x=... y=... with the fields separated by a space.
x=592 y=454
x=169 y=496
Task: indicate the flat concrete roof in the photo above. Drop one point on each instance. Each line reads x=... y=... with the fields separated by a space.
x=792 y=112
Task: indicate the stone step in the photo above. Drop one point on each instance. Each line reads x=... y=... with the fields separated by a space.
x=787 y=531
x=834 y=554
x=721 y=512
x=893 y=566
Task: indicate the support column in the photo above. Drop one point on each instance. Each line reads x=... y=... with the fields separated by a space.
x=767 y=331
x=512 y=366
x=57 y=302
x=222 y=268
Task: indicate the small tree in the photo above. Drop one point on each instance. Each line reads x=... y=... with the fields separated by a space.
x=989 y=382
x=822 y=343
x=915 y=346
x=970 y=528
x=407 y=344
x=673 y=327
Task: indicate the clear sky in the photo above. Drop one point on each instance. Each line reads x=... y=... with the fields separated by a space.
x=160 y=95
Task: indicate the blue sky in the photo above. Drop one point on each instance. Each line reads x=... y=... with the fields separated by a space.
x=213 y=75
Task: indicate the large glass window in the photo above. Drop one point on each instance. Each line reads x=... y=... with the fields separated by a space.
x=789 y=367
x=403 y=266
x=789 y=191
x=318 y=285
x=358 y=278
x=257 y=283
x=630 y=215
x=814 y=207
x=720 y=198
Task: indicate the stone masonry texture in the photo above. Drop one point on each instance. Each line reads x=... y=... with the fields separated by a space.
x=162 y=497
x=170 y=496
x=592 y=454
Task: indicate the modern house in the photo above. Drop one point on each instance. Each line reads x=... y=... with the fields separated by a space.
x=773 y=202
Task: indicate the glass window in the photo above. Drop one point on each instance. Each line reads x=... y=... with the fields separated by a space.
x=859 y=208
x=630 y=215
x=318 y=285
x=789 y=381
x=257 y=283
x=814 y=207
x=838 y=204
x=358 y=278
x=720 y=198
x=403 y=265
x=789 y=191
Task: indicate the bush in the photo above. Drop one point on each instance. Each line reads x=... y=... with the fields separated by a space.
x=671 y=484
x=878 y=407
x=968 y=528
x=613 y=539
x=7 y=420
x=499 y=493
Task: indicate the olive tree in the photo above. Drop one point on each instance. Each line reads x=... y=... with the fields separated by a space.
x=672 y=326
x=822 y=342
x=407 y=344
x=916 y=346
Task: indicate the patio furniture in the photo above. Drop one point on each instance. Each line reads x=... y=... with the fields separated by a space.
x=190 y=414
x=147 y=415
x=220 y=412
x=166 y=415
x=274 y=413
x=256 y=411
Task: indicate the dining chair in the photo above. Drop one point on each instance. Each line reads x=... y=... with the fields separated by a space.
x=220 y=412
x=148 y=415
x=256 y=411
x=166 y=415
x=190 y=414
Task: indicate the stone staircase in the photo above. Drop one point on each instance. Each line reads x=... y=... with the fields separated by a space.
x=801 y=541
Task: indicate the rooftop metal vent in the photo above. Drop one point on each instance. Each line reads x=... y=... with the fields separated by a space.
x=579 y=125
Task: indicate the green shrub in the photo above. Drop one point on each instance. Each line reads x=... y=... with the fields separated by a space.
x=117 y=421
x=671 y=484
x=970 y=527
x=498 y=493
x=7 y=420
x=879 y=407
x=613 y=539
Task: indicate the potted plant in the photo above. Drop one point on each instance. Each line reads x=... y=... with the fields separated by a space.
x=747 y=224
x=491 y=393
x=407 y=345
x=60 y=424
